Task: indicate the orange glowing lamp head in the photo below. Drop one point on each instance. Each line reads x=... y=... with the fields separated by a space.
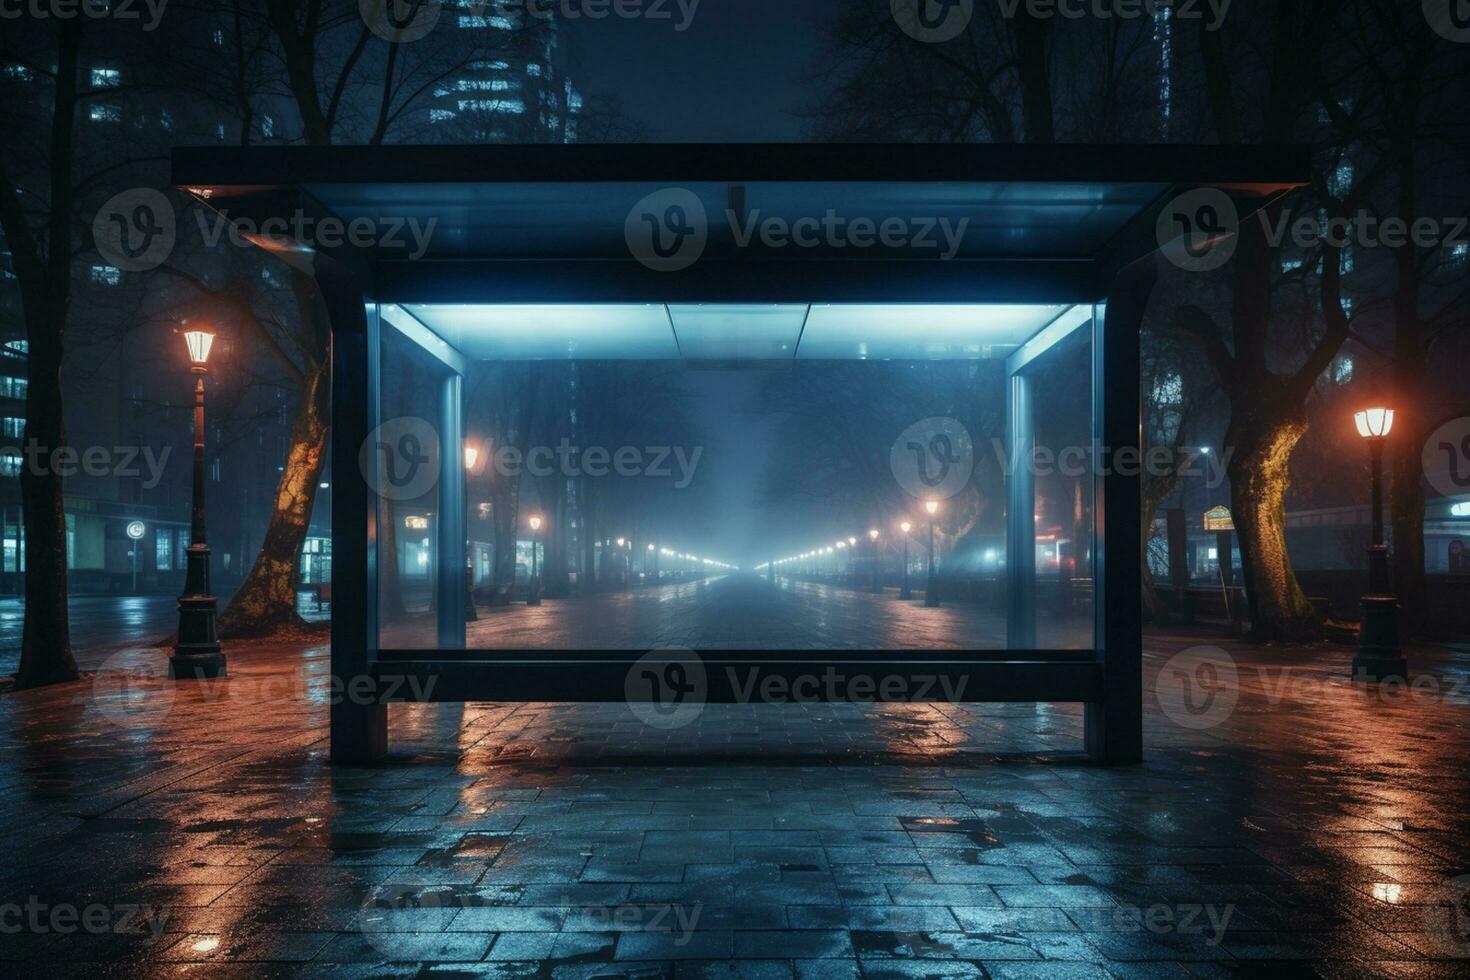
x=199 y=341
x=1374 y=423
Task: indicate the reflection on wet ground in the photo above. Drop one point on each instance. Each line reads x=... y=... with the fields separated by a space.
x=1283 y=815
x=745 y=612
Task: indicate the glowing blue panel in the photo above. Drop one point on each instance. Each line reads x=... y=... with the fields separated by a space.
x=553 y=332
x=918 y=332
x=732 y=332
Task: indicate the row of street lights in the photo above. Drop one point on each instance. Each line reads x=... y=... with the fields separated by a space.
x=813 y=557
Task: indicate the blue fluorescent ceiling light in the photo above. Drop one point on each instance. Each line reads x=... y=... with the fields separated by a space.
x=729 y=331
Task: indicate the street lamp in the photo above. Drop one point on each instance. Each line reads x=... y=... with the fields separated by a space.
x=905 y=527
x=533 y=596
x=197 y=653
x=877 y=571
x=471 y=457
x=1379 y=655
x=931 y=587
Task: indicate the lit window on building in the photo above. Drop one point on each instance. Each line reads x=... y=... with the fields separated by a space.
x=164 y=549
x=1342 y=371
x=13 y=387
x=20 y=73
x=106 y=77
x=10 y=462
x=106 y=275
x=1459 y=253
x=515 y=106
x=106 y=113
x=534 y=69
x=441 y=115
x=17 y=348
x=267 y=127
x=14 y=428
x=166 y=120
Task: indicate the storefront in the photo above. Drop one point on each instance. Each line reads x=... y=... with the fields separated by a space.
x=1030 y=266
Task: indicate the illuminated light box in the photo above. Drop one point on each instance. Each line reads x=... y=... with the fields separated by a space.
x=918 y=332
x=734 y=332
x=546 y=332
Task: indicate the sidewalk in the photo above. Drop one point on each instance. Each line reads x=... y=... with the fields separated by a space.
x=1282 y=814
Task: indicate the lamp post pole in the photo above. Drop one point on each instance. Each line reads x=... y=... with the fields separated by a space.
x=1379 y=655
x=931 y=587
x=905 y=527
x=877 y=562
x=197 y=653
x=533 y=592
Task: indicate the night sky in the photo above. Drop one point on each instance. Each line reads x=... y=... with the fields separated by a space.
x=734 y=75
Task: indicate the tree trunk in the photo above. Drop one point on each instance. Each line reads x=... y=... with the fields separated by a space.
x=505 y=508
x=1259 y=477
x=267 y=600
x=45 y=651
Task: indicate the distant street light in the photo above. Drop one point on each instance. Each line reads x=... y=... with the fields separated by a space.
x=197 y=653
x=931 y=587
x=533 y=597
x=471 y=457
x=905 y=527
x=1379 y=655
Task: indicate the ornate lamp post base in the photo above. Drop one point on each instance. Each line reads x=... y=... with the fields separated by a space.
x=197 y=654
x=1379 y=656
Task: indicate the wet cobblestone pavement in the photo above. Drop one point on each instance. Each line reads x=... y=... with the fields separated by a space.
x=1285 y=821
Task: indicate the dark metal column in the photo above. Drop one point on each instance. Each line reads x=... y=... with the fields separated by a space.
x=359 y=723
x=1114 y=726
